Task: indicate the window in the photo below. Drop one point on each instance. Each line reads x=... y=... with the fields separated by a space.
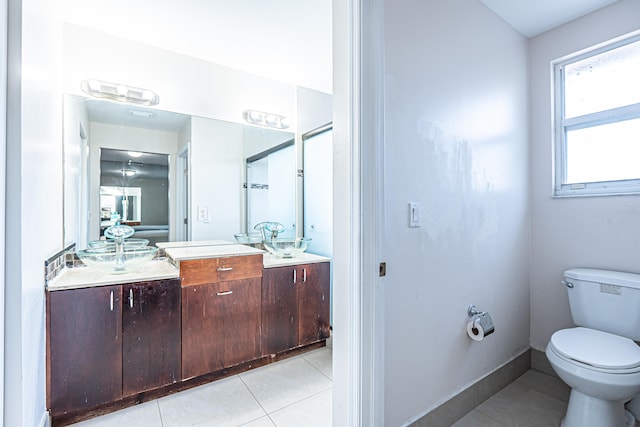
x=597 y=120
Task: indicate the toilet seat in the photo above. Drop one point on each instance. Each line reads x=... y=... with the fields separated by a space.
x=597 y=350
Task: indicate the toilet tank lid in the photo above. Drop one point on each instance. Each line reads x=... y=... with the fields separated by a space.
x=629 y=280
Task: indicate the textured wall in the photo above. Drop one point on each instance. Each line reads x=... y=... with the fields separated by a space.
x=597 y=232
x=455 y=142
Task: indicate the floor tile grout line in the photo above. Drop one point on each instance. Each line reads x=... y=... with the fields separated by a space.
x=490 y=417
x=254 y=396
x=318 y=369
x=524 y=384
x=299 y=401
x=160 y=412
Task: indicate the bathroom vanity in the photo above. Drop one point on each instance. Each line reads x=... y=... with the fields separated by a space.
x=203 y=313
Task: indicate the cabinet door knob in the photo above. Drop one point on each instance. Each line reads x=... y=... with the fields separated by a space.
x=220 y=294
x=224 y=268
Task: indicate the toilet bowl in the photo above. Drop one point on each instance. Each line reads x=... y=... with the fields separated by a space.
x=603 y=371
x=598 y=358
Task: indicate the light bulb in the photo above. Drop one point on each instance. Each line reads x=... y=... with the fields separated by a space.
x=256 y=116
x=148 y=95
x=94 y=85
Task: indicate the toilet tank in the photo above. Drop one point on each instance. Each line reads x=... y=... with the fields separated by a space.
x=605 y=300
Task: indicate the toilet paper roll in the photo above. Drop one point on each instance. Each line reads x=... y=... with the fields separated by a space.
x=480 y=327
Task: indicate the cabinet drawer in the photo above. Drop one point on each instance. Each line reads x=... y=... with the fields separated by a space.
x=213 y=270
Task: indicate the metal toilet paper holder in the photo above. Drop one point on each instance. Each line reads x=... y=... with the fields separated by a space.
x=472 y=311
x=481 y=320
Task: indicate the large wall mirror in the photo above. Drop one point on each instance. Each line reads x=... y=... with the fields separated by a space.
x=150 y=167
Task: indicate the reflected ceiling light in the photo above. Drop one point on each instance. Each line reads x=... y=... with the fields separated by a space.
x=134 y=154
x=128 y=172
x=119 y=92
x=265 y=119
x=142 y=114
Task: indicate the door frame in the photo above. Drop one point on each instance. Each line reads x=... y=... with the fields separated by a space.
x=358 y=104
x=183 y=194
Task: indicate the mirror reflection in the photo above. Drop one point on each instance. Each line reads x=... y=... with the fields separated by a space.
x=189 y=181
x=271 y=188
x=134 y=191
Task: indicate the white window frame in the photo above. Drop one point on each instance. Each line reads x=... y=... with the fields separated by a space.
x=562 y=125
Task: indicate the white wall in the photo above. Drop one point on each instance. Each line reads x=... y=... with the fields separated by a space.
x=185 y=84
x=217 y=171
x=34 y=192
x=598 y=232
x=455 y=142
x=76 y=121
x=118 y=137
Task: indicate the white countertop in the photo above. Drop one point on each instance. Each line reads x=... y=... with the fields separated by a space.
x=270 y=260
x=165 y=245
x=216 y=251
x=82 y=277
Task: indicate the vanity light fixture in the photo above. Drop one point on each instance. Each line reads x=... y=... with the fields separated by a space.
x=119 y=92
x=265 y=119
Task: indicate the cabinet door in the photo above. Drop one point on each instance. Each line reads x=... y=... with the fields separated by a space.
x=313 y=302
x=279 y=310
x=85 y=348
x=151 y=335
x=238 y=315
x=201 y=334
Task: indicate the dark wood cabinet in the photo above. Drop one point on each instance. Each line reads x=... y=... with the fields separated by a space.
x=295 y=306
x=150 y=335
x=200 y=332
x=279 y=310
x=313 y=303
x=84 y=348
x=108 y=342
x=112 y=346
x=220 y=319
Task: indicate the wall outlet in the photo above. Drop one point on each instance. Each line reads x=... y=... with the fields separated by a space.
x=414 y=214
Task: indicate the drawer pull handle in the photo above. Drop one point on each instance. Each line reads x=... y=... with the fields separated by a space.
x=295 y=276
x=304 y=275
x=220 y=294
x=131 y=298
x=224 y=268
x=111 y=301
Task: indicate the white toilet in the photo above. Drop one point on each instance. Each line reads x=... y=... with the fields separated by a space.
x=599 y=359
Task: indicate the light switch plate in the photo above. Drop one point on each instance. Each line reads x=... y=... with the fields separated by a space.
x=414 y=214
x=203 y=213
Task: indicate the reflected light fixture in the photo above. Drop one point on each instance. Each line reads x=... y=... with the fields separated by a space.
x=119 y=92
x=142 y=114
x=134 y=154
x=128 y=172
x=261 y=118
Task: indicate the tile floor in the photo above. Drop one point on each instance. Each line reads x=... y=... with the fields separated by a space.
x=297 y=392
x=534 y=399
x=291 y=393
